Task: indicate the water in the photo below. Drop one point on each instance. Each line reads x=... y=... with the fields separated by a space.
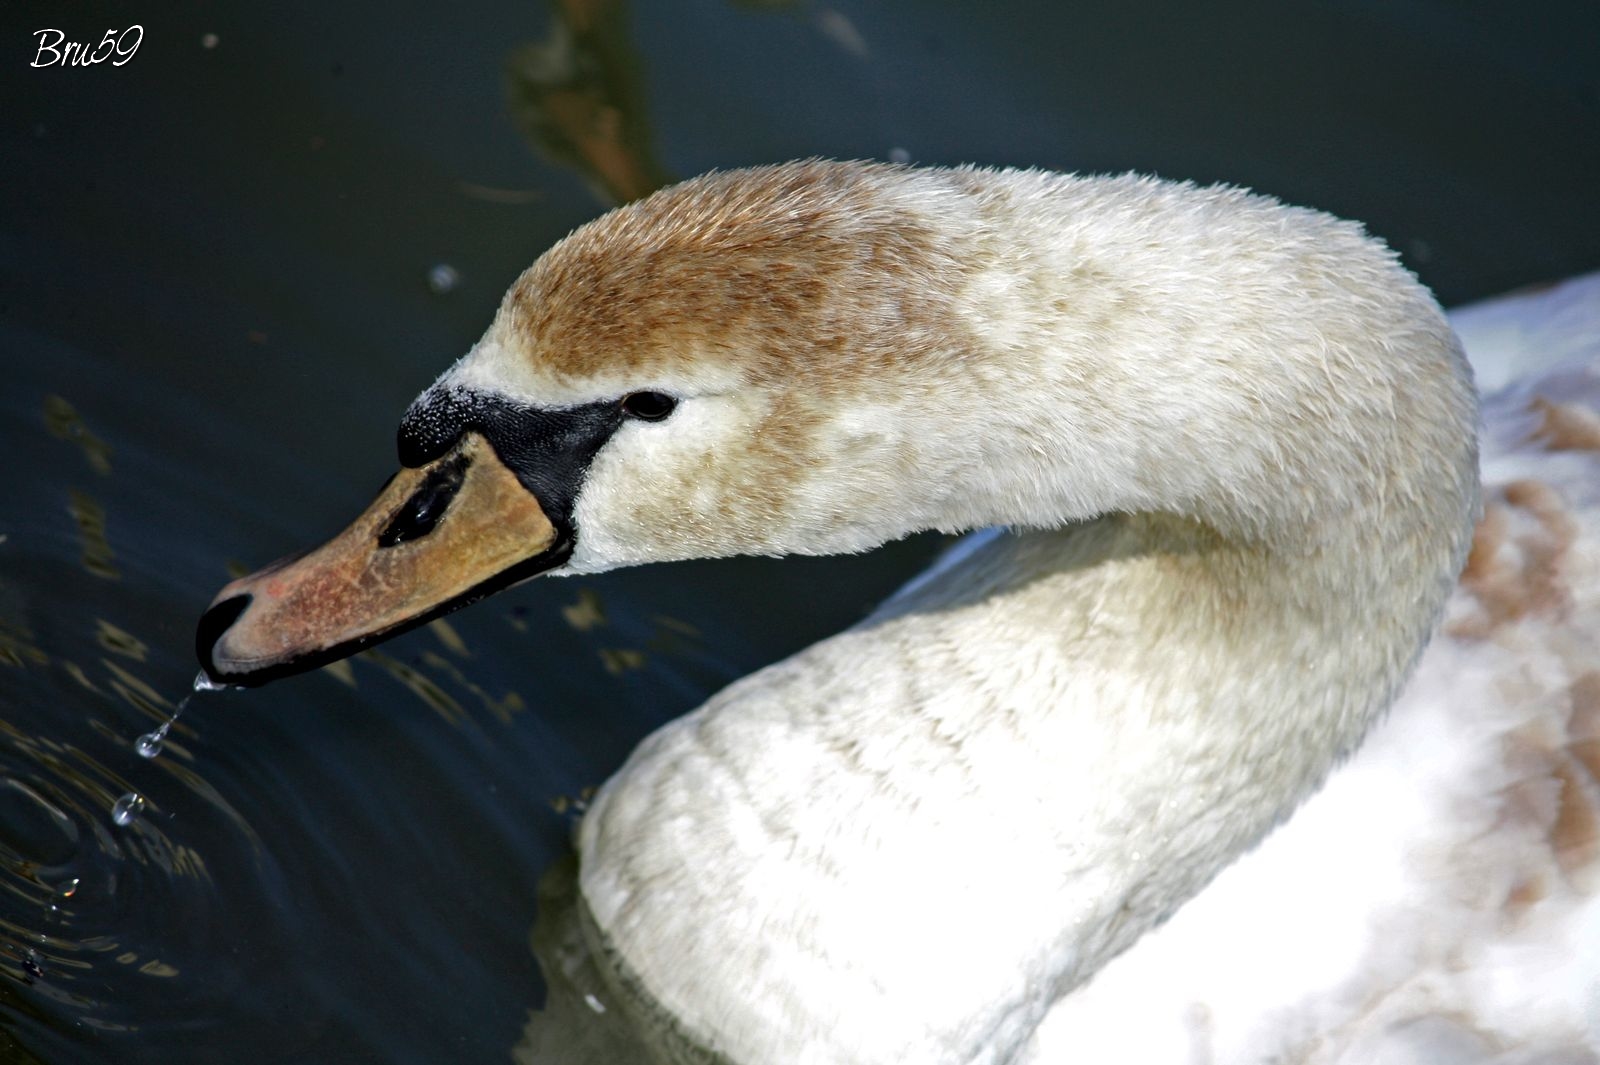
x=127 y=808
x=216 y=300
x=444 y=279
x=150 y=744
x=203 y=683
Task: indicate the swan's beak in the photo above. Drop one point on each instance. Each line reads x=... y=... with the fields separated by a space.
x=438 y=537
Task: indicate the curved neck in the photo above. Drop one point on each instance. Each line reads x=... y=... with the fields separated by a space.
x=1238 y=441
x=1109 y=348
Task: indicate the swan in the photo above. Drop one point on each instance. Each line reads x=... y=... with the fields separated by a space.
x=1233 y=444
x=1438 y=900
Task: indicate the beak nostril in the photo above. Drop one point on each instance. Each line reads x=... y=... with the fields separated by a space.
x=417 y=517
x=213 y=623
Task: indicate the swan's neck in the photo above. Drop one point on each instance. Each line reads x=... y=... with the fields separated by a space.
x=963 y=808
x=1165 y=694
x=1106 y=346
x=1249 y=481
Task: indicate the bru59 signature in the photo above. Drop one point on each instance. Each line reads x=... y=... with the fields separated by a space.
x=58 y=51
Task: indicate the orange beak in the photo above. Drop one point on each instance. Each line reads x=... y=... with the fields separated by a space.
x=438 y=537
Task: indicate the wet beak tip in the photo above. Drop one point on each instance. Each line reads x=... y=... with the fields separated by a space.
x=214 y=623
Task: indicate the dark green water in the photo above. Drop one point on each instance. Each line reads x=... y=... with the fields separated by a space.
x=215 y=303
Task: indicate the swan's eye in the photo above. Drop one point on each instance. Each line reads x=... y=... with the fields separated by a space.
x=648 y=406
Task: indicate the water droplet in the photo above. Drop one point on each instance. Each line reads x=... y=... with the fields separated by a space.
x=70 y=888
x=203 y=683
x=149 y=745
x=127 y=808
x=443 y=278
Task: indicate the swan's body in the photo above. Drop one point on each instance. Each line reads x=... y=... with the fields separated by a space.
x=1236 y=439
x=1438 y=902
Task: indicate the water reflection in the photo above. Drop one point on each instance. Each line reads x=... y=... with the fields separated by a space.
x=106 y=897
x=578 y=97
x=589 y=1015
x=71 y=880
x=17 y=648
x=64 y=423
x=97 y=556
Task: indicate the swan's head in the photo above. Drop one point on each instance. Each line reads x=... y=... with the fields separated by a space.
x=701 y=374
x=820 y=357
